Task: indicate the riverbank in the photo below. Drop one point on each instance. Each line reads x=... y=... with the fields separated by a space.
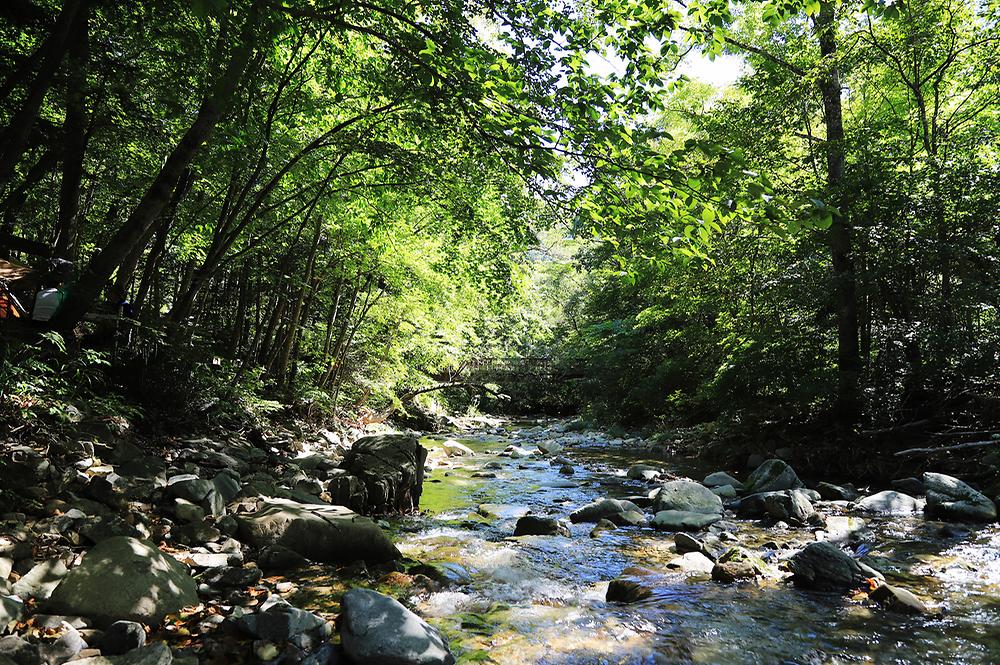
x=242 y=533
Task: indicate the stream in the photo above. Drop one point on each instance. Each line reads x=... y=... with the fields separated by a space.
x=541 y=599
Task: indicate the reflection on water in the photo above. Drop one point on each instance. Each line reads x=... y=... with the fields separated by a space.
x=540 y=599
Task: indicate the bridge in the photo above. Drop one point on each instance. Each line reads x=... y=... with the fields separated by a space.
x=510 y=369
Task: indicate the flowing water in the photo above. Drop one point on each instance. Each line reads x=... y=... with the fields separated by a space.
x=540 y=599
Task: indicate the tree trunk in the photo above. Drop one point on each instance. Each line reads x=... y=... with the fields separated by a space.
x=839 y=236
x=87 y=289
x=75 y=137
x=15 y=136
x=293 y=322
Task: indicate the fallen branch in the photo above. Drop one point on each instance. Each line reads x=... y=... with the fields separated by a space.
x=912 y=452
x=896 y=429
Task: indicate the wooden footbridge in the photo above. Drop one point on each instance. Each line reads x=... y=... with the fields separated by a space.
x=511 y=370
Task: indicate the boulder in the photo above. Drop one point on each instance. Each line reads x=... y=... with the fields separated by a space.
x=626 y=591
x=391 y=468
x=453 y=448
x=720 y=478
x=725 y=492
x=154 y=654
x=375 y=628
x=41 y=580
x=643 y=472
x=230 y=577
x=692 y=562
x=890 y=502
x=687 y=496
x=899 y=600
x=11 y=611
x=278 y=621
x=185 y=511
x=550 y=447
x=832 y=492
x=826 y=567
x=788 y=506
x=189 y=486
x=534 y=525
x=911 y=486
x=772 y=476
x=64 y=648
x=610 y=509
x=145 y=585
x=346 y=489
x=327 y=534
x=728 y=572
x=755 y=505
x=950 y=499
x=122 y=637
x=682 y=520
x=840 y=528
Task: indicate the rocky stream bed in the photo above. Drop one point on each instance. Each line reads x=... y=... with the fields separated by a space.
x=533 y=543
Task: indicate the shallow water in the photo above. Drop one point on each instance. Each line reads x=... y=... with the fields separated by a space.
x=540 y=599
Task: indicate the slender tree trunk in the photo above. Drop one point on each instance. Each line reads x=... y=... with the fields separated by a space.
x=839 y=235
x=293 y=322
x=237 y=332
x=15 y=201
x=15 y=136
x=332 y=317
x=75 y=138
x=87 y=289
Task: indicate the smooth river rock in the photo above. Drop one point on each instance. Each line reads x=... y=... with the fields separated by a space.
x=124 y=578
x=682 y=520
x=688 y=496
x=377 y=629
x=890 y=502
x=828 y=568
x=951 y=499
x=719 y=479
x=618 y=511
x=322 y=533
x=536 y=525
x=772 y=476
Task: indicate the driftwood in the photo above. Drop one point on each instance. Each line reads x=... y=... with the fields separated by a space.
x=914 y=452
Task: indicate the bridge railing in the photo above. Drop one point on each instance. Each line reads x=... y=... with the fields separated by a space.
x=487 y=367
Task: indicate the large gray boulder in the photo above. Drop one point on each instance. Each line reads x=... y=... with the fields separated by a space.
x=327 y=534
x=788 y=506
x=124 y=578
x=890 y=502
x=756 y=505
x=687 y=496
x=377 y=629
x=391 y=469
x=951 y=499
x=826 y=567
x=618 y=511
x=720 y=479
x=772 y=476
x=683 y=520
x=536 y=525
